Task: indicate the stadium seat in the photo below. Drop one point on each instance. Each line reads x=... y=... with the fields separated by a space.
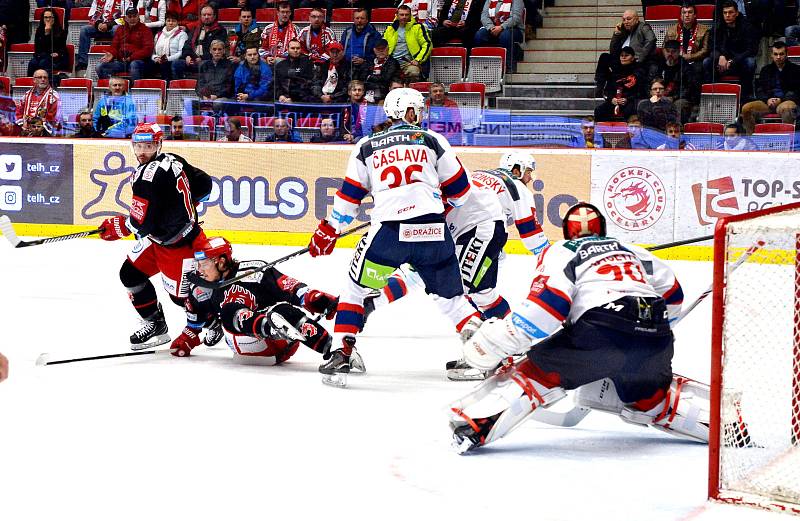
x=794 y=54
x=341 y=19
x=19 y=54
x=612 y=132
x=661 y=18
x=705 y=13
x=163 y=120
x=487 y=66
x=101 y=88
x=300 y=17
x=71 y=64
x=200 y=126
x=308 y=128
x=178 y=93
x=38 y=13
x=21 y=86
x=78 y=17
x=719 y=102
x=777 y=137
x=265 y=16
x=148 y=95
x=95 y=53
x=423 y=86
x=76 y=95
x=247 y=126
x=382 y=17
x=704 y=136
x=448 y=64
x=470 y=98
x=228 y=17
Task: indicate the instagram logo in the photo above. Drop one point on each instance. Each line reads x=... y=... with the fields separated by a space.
x=11 y=198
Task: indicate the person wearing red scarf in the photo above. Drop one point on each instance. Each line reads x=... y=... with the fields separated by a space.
x=198 y=47
x=276 y=36
x=41 y=101
x=694 y=39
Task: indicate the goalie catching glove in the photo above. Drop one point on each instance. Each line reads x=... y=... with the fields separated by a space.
x=324 y=239
x=114 y=228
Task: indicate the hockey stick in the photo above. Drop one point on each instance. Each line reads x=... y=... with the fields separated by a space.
x=197 y=280
x=44 y=358
x=8 y=232
x=679 y=243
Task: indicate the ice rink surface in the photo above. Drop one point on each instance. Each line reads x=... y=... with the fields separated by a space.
x=160 y=438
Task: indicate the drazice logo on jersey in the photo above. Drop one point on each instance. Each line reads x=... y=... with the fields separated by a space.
x=714 y=199
x=634 y=198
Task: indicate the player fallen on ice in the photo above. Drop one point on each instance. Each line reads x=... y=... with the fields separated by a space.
x=615 y=301
x=163 y=218
x=263 y=316
x=407 y=170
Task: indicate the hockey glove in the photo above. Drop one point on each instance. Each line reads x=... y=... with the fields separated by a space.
x=323 y=240
x=114 y=228
x=186 y=341
x=320 y=302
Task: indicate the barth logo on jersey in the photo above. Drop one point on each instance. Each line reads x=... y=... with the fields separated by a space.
x=138 y=208
x=394 y=139
x=714 y=199
x=592 y=250
x=634 y=198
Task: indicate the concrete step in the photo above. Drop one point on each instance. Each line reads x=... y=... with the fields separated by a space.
x=566 y=33
x=571 y=56
x=577 y=113
x=558 y=67
x=594 y=10
x=554 y=104
x=581 y=21
x=549 y=91
x=590 y=3
x=552 y=78
x=565 y=44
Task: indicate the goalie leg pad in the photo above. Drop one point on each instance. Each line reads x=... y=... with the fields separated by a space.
x=494 y=341
x=599 y=396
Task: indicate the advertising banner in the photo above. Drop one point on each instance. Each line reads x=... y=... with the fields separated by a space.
x=36 y=182
x=636 y=193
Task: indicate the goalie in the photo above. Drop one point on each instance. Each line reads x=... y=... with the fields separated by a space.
x=262 y=316
x=615 y=301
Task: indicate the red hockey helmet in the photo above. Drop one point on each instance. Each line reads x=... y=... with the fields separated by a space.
x=583 y=220
x=214 y=247
x=147 y=133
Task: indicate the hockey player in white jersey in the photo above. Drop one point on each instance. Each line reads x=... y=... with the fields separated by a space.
x=408 y=171
x=614 y=301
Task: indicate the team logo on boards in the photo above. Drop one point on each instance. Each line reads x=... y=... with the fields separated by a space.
x=714 y=199
x=634 y=198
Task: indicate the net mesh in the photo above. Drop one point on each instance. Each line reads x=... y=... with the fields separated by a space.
x=760 y=401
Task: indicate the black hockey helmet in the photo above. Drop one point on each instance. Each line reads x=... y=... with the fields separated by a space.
x=583 y=220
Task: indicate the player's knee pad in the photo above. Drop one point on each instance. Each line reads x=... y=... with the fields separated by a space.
x=506 y=399
x=684 y=410
x=133 y=279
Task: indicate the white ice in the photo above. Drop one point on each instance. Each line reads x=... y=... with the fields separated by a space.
x=160 y=438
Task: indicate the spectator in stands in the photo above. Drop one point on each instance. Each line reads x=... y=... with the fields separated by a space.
x=656 y=111
x=328 y=133
x=378 y=73
x=732 y=140
x=681 y=85
x=792 y=33
x=247 y=34
x=131 y=49
x=215 y=79
x=622 y=90
x=777 y=90
x=633 y=33
x=330 y=86
x=283 y=132
x=40 y=101
x=359 y=39
x=115 y=112
x=423 y=11
x=86 y=126
x=187 y=13
x=456 y=19
x=315 y=39
x=636 y=134
x=502 y=26
x=36 y=128
x=735 y=48
x=442 y=115
x=233 y=131
x=293 y=76
x=101 y=25
x=168 y=46
x=358 y=111
x=674 y=140
x=49 y=45
x=198 y=46
x=276 y=36
x=253 y=78
x=587 y=128
x=152 y=13
x=409 y=44
x=694 y=39
x=177 y=130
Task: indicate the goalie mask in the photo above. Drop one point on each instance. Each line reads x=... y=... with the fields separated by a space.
x=583 y=220
x=522 y=161
x=398 y=101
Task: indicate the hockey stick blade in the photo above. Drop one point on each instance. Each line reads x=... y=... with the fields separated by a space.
x=45 y=358
x=197 y=280
x=7 y=228
x=569 y=418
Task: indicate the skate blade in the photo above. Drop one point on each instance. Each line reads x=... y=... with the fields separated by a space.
x=153 y=342
x=465 y=375
x=335 y=379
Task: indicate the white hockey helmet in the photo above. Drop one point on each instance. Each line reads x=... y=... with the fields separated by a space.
x=398 y=101
x=519 y=159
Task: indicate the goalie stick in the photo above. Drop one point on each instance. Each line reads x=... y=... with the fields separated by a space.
x=197 y=280
x=8 y=232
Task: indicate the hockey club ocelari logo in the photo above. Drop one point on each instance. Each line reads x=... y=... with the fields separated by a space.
x=714 y=199
x=634 y=198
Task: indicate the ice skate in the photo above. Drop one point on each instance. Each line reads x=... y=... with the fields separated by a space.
x=337 y=367
x=213 y=333
x=154 y=332
x=465 y=437
x=460 y=371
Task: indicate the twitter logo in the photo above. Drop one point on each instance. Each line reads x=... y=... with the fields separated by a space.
x=10 y=167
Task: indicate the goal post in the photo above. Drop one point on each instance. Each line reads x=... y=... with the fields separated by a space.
x=754 y=437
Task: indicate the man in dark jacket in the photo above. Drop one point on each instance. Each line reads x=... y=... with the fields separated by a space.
x=215 y=80
x=198 y=47
x=330 y=85
x=778 y=90
x=623 y=89
x=359 y=39
x=293 y=76
x=378 y=74
x=640 y=38
x=131 y=49
x=453 y=21
x=735 y=48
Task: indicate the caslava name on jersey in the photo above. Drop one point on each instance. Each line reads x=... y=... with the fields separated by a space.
x=392 y=155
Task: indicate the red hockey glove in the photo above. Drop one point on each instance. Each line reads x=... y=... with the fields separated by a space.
x=323 y=240
x=114 y=228
x=320 y=302
x=186 y=341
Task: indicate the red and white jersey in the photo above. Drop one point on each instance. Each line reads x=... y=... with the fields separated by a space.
x=406 y=170
x=518 y=205
x=575 y=276
x=482 y=206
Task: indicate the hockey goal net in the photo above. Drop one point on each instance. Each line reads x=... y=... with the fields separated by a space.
x=754 y=443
